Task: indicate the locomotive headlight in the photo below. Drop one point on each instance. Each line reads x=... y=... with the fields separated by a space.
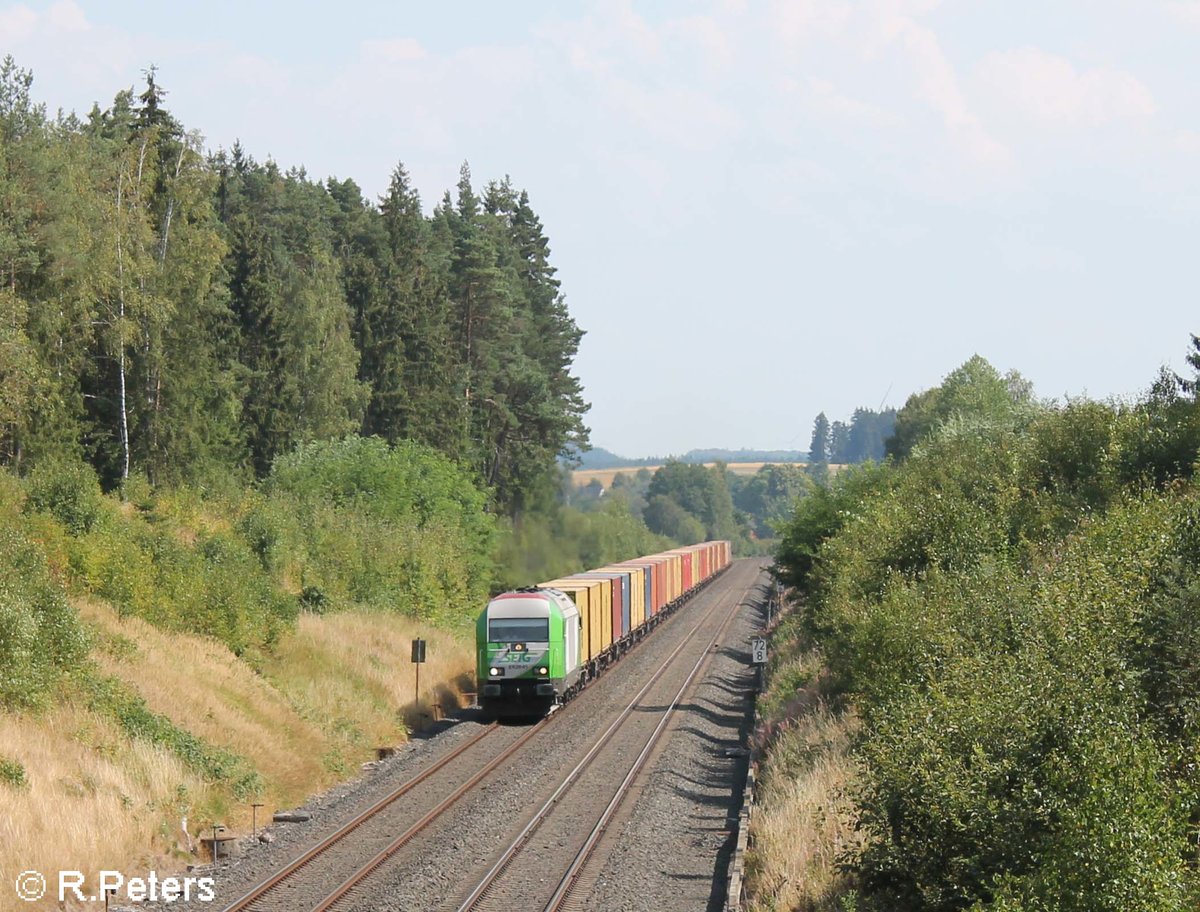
x=543 y=670
x=496 y=672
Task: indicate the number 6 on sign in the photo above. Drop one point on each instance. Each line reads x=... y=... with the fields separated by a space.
x=758 y=651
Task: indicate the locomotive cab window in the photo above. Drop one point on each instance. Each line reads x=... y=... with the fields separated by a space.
x=519 y=630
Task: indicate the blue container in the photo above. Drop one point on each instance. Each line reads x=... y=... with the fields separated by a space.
x=621 y=585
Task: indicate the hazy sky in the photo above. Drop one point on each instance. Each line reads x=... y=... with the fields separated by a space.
x=758 y=210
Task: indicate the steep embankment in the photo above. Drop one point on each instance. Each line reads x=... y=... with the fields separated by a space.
x=174 y=656
x=98 y=797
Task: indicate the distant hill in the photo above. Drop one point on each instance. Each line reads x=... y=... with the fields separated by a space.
x=720 y=455
x=600 y=458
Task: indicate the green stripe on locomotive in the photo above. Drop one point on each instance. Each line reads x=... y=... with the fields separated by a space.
x=524 y=664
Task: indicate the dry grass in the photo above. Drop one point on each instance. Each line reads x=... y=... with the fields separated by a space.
x=338 y=687
x=204 y=688
x=94 y=800
x=352 y=671
x=803 y=822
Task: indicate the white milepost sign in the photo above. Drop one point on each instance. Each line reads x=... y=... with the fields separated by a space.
x=758 y=651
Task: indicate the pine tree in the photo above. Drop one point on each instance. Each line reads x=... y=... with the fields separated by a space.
x=484 y=297
x=296 y=349
x=410 y=337
x=818 y=449
x=839 y=442
x=23 y=381
x=544 y=399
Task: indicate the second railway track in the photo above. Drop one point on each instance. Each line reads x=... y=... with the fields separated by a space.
x=417 y=848
x=546 y=866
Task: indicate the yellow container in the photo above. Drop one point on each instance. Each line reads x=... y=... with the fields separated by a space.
x=587 y=596
x=602 y=602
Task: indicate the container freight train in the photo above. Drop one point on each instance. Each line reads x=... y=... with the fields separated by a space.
x=537 y=647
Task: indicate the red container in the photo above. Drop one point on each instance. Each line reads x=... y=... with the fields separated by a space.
x=620 y=611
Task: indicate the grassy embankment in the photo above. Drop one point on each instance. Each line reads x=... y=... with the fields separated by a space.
x=172 y=656
x=98 y=799
x=804 y=821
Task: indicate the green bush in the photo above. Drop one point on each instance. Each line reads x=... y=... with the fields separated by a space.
x=41 y=638
x=211 y=583
x=114 y=561
x=1159 y=437
x=665 y=517
x=821 y=515
x=358 y=521
x=1013 y=610
x=544 y=546
x=401 y=482
x=12 y=498
x=12 y=772
x=68 y=491
x=1008 y=766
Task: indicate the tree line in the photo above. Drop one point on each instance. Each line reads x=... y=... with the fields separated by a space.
x=189 y=317
x=690 y=502
x=861 y=438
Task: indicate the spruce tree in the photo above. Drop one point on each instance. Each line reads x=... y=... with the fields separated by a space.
x=818 y=449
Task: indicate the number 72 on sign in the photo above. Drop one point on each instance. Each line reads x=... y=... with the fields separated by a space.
x=758 y=651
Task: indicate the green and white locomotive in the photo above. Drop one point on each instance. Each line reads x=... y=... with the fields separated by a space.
x=528 y=657
x=536 y=647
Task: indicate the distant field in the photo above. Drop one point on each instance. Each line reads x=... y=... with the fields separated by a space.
x=583 y=477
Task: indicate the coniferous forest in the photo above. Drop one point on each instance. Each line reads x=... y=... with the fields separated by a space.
x=189 y=317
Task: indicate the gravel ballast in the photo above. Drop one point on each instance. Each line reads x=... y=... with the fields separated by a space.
x=674 y=834
x=675 y=841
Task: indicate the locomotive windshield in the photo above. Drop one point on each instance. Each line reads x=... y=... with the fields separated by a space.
x=519 y=630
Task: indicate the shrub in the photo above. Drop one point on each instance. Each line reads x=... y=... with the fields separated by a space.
x=1010 y=766
x=69 y=491
x=544 y=546
x=210 y=583
x=40 y=635
x=12 y=772
x=399 y=527
x=1014 y=613
x=407 y=481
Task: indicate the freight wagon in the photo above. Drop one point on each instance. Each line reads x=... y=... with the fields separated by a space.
x=537 y=647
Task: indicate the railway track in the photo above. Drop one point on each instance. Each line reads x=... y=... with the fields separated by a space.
x=345 y=870
x=290 y=887
x=524 y=865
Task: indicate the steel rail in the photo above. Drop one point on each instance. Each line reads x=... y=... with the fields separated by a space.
x=408 y=835
x=493 y=875
x=284 y=874
x=403 y=839
x=569 y=881
x=245 y=901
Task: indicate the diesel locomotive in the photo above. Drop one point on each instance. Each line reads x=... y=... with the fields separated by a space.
x=537 y=647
